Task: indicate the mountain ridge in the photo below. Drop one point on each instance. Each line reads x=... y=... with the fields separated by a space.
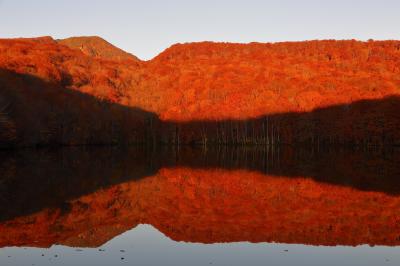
x=221 y=82
x=96 y=46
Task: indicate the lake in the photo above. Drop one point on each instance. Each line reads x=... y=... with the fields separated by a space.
x=200 y=206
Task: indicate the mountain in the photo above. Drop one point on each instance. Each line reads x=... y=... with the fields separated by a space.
x=97 y=47
x=313 y=92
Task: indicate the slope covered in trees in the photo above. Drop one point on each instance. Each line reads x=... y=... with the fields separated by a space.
x=97 y=47
x=314 y=92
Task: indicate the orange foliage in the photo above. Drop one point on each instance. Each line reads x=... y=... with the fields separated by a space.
x=97 y=47
x=224 y=81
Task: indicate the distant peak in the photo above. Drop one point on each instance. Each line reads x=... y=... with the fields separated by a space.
x=96 y=46
x=84 y=39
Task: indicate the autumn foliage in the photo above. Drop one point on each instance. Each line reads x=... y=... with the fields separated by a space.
x=315 y=92
x=97 y=47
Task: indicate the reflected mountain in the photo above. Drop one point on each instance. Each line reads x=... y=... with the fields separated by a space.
x=85 y=197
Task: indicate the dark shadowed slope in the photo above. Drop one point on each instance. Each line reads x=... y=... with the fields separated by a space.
x=34 y=112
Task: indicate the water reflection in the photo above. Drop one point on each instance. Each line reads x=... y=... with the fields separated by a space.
x=145 y=245
x=85 y=197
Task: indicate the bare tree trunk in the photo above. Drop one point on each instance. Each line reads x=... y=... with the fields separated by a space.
x=8 y=131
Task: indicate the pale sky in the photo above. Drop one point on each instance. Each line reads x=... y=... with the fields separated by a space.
x=145 y=28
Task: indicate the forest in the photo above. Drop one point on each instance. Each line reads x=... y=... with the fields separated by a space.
x=85 y=91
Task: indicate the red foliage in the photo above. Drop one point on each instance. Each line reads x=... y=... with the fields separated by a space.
x=222 y=81
x=97 y=47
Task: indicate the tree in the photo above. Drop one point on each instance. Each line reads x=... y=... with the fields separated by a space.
x=8 y=133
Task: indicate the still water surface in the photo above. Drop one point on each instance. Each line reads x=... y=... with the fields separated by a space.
x=247 y=206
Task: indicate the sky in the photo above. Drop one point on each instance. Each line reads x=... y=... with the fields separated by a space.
x=145 y=245
x=145 y=28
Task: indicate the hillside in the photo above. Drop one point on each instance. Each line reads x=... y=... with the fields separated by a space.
x=314 y=92
x=97 y=47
